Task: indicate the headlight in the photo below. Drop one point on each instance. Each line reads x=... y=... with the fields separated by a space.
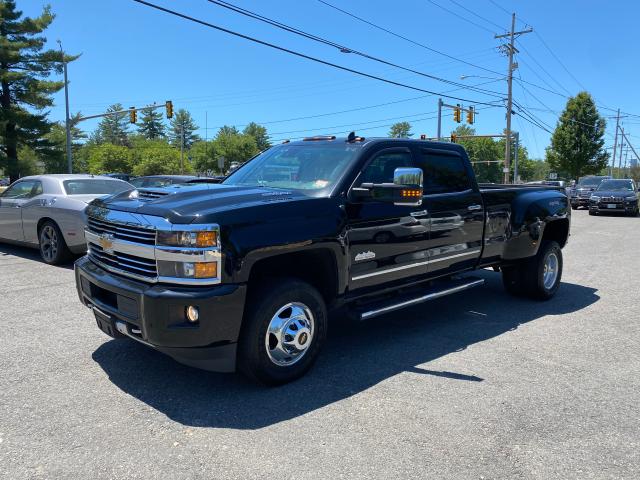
x=594 y=198
x=187 y=269
x=188 y=239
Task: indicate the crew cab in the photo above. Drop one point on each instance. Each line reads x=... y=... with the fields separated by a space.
x=243 y=274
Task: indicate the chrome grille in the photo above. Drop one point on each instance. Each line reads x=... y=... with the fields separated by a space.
x=131 y=233
x=611 y=199
x=145 y=267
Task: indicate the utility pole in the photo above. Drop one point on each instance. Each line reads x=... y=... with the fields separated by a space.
x=439 y=119
x=67 y=123
x=510 y=51
x=181 y=148
x=615 y=144
x=621 y=148
x=516 y=136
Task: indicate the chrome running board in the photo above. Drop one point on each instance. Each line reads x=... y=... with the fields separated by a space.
x=459 y=286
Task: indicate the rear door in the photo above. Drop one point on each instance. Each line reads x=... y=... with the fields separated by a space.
x=11 y=203
x=456 y=211
x=386 y=242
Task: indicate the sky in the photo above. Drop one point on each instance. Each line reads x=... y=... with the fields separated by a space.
x=135 y=55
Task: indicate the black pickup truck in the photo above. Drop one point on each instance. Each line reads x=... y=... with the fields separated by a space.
x=243 y=274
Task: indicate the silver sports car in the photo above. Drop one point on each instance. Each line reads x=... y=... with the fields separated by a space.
x=47 y=212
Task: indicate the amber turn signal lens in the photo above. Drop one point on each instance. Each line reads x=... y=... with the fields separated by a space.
x=410 y=193
x=206 y=270
x=206 y=239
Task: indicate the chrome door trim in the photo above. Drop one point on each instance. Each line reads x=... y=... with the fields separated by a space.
x=413 y=265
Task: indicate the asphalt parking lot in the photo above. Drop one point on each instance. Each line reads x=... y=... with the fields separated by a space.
x=480 y=385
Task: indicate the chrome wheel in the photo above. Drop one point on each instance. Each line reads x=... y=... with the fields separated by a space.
x=290 y=334
x=550 y=274
x=49 y=243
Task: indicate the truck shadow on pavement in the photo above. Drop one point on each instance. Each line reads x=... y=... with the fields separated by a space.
x=27 y=253
x=355 y=358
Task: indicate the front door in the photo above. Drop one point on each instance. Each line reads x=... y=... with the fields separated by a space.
x=11 y=203
x=386 y=242
x=456 y=211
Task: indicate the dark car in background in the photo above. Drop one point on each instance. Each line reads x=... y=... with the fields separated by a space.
x=159 y=181
x=581 y=193
x=615 y=196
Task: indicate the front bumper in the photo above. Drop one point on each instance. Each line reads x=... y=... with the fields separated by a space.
x=580 y=202
x=154 y=314
x=619 y=207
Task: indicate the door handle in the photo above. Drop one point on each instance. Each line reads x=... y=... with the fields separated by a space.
x=472 y=208
x=419 y=214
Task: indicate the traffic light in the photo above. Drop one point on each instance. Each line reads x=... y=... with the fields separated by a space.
x=470 y=115
x=454 y=137
x=456 y=113
x=133 y=115
x=169 y=108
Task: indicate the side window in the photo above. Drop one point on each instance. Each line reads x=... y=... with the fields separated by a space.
x=443 y=173
x=20 y=190
x=37 y=190
x=381 y=168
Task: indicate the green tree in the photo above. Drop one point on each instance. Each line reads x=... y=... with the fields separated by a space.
x=228 y=130
x=25 y=92
x=54 y=158
x=109 y=158
x=203 y=156
x=28 y=162
x=234 y=148
x=158 y=158
x=182 y=124
x=259 y=133
x=577 y=144
x=151 y=125
x=114 y=128
x=400 y=130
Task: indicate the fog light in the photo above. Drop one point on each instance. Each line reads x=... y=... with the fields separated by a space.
x=192 y=314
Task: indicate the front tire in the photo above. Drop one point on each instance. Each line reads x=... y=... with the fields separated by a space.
x=283 y=332
x=53 y=248
x=592 y=212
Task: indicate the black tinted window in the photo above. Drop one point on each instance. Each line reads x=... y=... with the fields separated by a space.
x=381 y=168
x=443 y=173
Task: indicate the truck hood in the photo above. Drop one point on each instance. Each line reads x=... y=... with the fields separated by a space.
x=181 y=204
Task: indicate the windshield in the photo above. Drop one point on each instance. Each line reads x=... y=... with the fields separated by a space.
x=623 y=185
x=590 y=181
x=94 y=186
x=300 y=167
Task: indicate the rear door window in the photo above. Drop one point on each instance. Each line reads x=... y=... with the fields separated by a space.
x=443 y=173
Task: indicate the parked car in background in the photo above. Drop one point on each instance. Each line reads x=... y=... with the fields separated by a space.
x=47 y=212
x=615 y=196
x=4 y=182
x=580 y=195
x=120 y=176
x=155 y=181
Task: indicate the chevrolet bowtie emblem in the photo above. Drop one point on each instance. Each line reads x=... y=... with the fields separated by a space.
x=106 y=242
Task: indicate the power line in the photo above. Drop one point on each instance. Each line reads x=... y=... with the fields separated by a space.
x=559 y=61
x=460 y=16
x=543 y=69
x=406 y=39
x=500 y=7
x=477 y=15
x=302 y=55
x=342 y=48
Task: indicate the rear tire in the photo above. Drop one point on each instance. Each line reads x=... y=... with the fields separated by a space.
x=53 y=248
x=574 y=207
x=592 y=212
x=284 y=329
x=537 y=277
